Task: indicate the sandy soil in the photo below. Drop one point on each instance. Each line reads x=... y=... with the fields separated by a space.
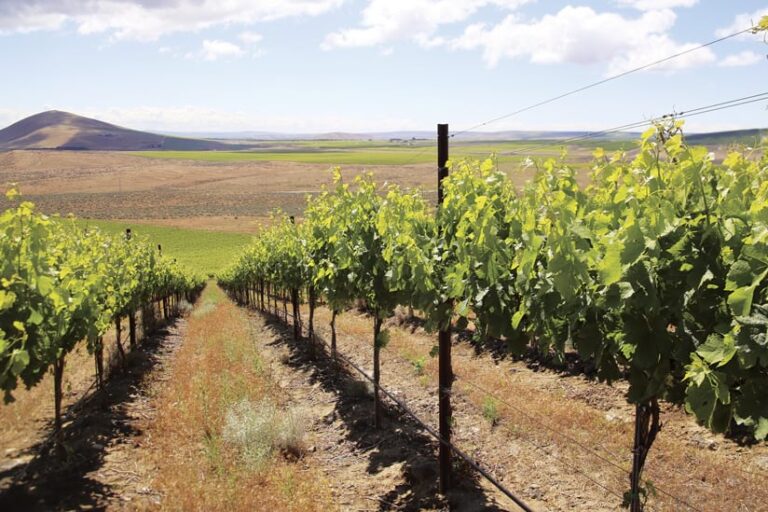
x=227 y=196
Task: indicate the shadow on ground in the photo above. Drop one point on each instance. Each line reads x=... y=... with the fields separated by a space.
x=399 y=440
x=57 y=476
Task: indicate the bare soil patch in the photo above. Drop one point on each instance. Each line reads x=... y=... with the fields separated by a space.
x=557 y=437
x=390 y=468
x=103 y=431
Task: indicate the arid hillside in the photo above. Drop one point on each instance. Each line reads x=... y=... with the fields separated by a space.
x=61 y=130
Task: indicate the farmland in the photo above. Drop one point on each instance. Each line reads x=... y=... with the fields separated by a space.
x=202 y=251
x=203 y=208
x=230 y=191
x=380 y=153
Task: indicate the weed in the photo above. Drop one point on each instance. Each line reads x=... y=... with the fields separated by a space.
x=258 y=429
x=419 y=364
x=491 y=410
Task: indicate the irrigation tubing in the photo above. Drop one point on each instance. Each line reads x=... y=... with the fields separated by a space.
x=575 y=442
x=542 y=424
x=469 y=460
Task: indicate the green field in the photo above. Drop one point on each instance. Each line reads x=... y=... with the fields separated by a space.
x=384 y=153
x=206 y=252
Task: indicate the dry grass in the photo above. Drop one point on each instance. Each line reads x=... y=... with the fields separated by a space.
x=227 y=196
x=571 y=427
x=197 y=449
x=29 y=418
x=260 y=429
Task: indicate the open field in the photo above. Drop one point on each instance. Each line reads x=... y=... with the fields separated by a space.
x=202 y=251
x=195 y=190
x=371 y=153
x=171 y=437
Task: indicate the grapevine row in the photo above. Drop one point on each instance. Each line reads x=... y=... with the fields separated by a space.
x=656 y=271
x=62 y=284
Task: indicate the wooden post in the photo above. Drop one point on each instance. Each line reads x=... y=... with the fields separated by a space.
x=311 y=326
x=296 y=314
x=376 y=370
x=118 y=335
x=58 y=377
x=98 y=355
x=445 y=370
x=647 y=427
x=333 y=333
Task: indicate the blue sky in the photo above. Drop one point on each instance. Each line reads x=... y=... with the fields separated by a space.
x=376 y=65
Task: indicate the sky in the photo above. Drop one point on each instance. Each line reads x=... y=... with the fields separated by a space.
x=301 y=66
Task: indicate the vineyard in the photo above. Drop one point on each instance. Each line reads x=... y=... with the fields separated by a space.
x=649 y=279
x=63 y=285
x=654 y=274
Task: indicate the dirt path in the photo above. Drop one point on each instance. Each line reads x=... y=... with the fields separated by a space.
x=102 y=436
x=558 y=438
x=393 y=468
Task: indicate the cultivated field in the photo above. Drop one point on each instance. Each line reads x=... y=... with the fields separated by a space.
x=172 y=430
x=228 y=191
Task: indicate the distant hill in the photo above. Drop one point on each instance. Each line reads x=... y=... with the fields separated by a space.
x=61 y=130
x=747 y=137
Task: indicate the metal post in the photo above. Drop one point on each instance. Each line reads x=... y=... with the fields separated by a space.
x=444 y=338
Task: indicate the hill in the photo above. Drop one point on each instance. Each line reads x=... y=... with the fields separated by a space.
x=747 y=137
x=61 y=130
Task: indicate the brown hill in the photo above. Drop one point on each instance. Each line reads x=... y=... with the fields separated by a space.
x=61 y=130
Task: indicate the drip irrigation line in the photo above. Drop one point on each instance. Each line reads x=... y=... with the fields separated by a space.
x=600 y=82
x=469 y=460
x=569 y=438
x=542 y=424
x=565 y=463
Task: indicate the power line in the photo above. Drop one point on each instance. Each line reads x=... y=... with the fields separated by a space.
x=601 y=82
x=737 y=102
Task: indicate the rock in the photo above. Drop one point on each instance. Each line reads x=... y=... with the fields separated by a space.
x=14 y=463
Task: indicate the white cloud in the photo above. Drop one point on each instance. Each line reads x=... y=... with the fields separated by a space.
x=250 y=37
x=148 y=20
x=384 y=21
x=581 y=35
x=656 y=5
x=215 y=49
x=742 y=22
x=745 y=58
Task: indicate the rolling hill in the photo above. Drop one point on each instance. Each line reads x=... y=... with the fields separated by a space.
x=61 y=130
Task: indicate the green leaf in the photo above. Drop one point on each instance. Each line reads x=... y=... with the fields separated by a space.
x=35 y=318
x=19 y=361
x=739 y=275
x=740 y=300
x=610 y=266
x=718 y=350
